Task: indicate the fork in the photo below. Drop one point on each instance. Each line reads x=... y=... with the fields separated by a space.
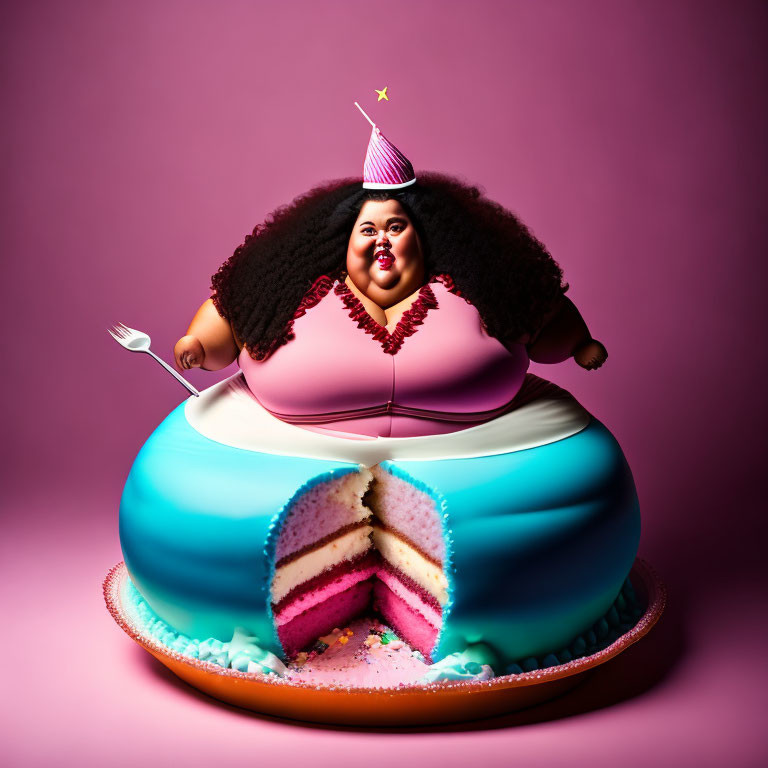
x=136 y=341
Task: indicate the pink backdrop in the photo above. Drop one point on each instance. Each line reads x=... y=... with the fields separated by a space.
x=142 y=140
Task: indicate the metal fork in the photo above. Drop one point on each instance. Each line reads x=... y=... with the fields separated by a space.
x=136 y=341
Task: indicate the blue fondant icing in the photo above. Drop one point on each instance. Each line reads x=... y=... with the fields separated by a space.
x=543 y=540
x=194 y=522
x=585 y=644
x=240 y=653
x=457 y=666
x=540 y=540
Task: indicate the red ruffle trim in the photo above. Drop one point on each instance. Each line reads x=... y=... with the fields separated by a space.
x=406 y=326
x=390 y=342
x=319 y=290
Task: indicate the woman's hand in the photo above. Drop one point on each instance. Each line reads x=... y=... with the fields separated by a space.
x=590 y=355
x=189 y=353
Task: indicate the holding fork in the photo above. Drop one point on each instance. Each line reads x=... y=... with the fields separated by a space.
x=136 y=341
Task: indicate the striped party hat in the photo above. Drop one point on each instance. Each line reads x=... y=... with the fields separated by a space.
x=385 y=167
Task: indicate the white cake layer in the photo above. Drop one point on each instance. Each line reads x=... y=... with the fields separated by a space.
x=351 y=490
x=412 y=563
x=313 y=563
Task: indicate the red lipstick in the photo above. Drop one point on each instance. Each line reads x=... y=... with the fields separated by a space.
x=384 y=258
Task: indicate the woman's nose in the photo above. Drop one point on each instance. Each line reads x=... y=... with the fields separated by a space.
x=382 y=238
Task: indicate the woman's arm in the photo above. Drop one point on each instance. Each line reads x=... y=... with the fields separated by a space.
x=565 y=334
x=209 y=342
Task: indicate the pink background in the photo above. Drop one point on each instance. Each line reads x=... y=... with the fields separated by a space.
x=141 y=141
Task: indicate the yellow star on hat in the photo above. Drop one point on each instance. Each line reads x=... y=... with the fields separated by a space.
x=382 y=94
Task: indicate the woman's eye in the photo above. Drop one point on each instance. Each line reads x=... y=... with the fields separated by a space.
x=369 y=231
x=397 y=228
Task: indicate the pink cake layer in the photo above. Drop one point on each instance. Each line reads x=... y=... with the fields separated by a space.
x=411 y=626
x=306 y=600
x=412 y=599
x=407 y=581
x=313 y=603
x=317 y=513
x=302 y=631
x=334 y=582
x=366 y=560
x=403 y=507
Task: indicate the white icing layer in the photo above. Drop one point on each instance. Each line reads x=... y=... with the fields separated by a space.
x=412 y=563
x=228 y=413
x=313 y=563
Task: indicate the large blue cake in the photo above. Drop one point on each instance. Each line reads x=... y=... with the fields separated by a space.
x=516 y=536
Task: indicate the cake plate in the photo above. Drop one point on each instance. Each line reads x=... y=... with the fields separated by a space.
x=412 y=704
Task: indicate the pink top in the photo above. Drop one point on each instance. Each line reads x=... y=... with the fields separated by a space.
x=345 y=374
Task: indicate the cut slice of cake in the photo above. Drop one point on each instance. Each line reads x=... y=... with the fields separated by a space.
x=361 y=543
x=323 y=560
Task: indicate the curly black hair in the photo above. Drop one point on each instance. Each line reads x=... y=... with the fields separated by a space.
x=493 y=259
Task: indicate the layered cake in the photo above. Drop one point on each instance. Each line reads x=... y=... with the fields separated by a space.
x=367 y=541
x=516 y=537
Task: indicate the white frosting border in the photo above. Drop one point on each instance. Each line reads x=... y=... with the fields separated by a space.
x=228 y=413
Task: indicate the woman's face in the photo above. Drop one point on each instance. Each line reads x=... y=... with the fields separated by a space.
x=384 y=258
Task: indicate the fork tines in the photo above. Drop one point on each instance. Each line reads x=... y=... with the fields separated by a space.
x=121 y=332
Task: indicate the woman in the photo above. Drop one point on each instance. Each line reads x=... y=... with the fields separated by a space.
x=386 y=246
x=389 y=327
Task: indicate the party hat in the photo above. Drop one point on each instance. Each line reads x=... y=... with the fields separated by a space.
x=385 y=167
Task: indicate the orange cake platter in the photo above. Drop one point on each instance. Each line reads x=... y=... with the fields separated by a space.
x=407 y=704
